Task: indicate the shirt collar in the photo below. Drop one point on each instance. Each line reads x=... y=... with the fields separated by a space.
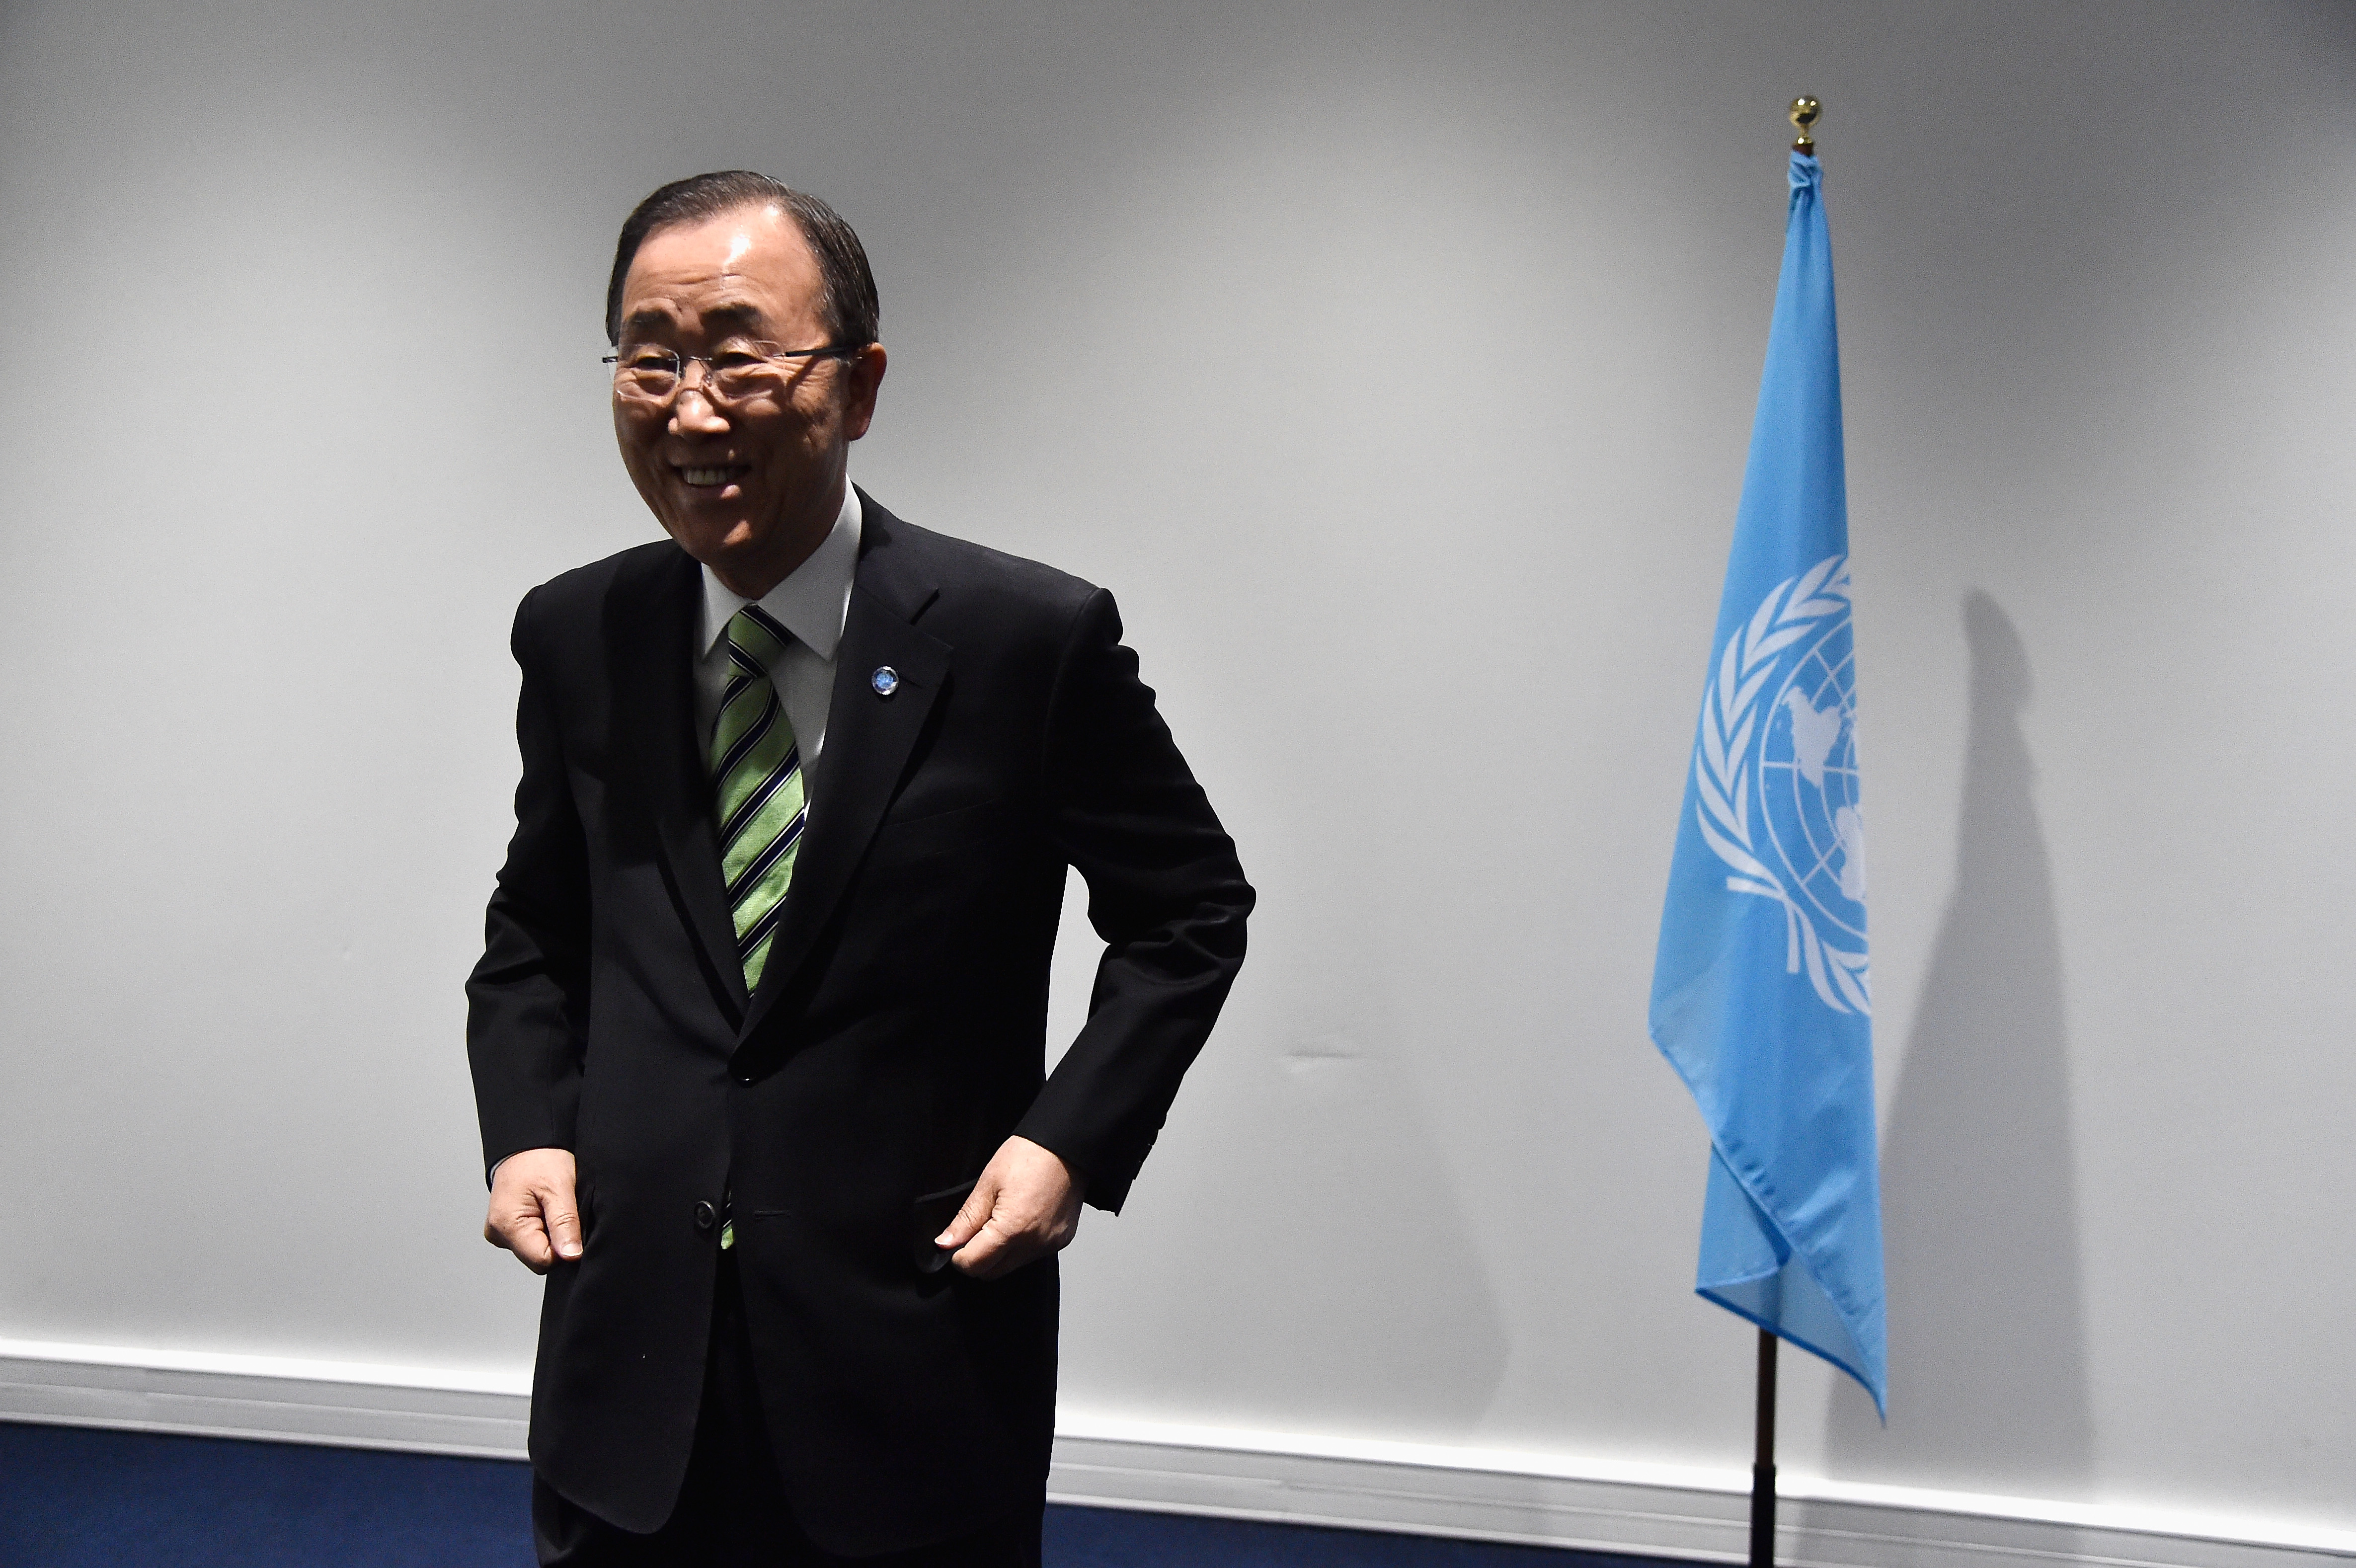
x=812 y=600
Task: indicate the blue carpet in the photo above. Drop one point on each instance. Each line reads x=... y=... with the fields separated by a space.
x=83 y=1497
x=1118 y=1538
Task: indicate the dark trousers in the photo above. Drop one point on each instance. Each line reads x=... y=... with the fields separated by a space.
x=732 y=1510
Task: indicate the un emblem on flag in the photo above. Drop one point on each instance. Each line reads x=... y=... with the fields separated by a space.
x=1777 y=775
x=1807 y=779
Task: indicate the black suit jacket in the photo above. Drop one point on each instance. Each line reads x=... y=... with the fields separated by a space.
x=895 y=1040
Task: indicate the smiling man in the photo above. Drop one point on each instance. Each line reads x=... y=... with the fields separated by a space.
x=758 y=1032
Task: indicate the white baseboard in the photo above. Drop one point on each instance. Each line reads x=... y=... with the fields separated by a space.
x=1540 y=1499
x=1645 y=1509
x=286 y=1401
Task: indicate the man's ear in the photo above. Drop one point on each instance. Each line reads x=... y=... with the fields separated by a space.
x=865 y=373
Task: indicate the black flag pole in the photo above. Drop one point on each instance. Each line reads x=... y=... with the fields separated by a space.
x=1803 y=115
x=1763 y=1461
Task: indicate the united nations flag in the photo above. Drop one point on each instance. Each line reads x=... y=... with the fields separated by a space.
x=1760 y=997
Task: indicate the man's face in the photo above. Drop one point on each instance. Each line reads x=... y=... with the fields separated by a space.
x=749 y=489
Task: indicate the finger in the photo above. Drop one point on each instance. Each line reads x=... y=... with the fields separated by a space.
x=972 y=1214
x=521 y=1232
x=561 y=1216
x=498 y=1224
x=990 y=1254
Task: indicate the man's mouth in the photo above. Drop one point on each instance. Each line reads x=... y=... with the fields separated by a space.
x=712 y=477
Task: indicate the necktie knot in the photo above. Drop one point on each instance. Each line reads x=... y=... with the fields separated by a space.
x=756 y=637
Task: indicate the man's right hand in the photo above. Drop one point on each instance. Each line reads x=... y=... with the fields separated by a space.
x=532 y=1211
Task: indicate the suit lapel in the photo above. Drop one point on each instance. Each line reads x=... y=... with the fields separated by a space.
x=868 y=739
x=654 y=623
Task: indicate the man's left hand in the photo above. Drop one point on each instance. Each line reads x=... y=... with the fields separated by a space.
x=1025 y=1206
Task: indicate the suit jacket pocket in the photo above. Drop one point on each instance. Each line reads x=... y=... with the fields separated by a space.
x=932 y=1214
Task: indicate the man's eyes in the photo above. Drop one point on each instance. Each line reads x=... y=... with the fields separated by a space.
x=727 y=356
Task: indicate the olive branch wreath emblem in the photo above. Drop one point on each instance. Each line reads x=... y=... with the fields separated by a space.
x=1732 y=723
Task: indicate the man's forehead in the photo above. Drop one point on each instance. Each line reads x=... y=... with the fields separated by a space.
x=739 y=238
x=724 y=312
x=734 y=254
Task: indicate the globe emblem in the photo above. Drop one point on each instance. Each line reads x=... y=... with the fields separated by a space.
x=1808 y=780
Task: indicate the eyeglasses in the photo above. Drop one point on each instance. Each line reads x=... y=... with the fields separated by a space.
x=650 y=376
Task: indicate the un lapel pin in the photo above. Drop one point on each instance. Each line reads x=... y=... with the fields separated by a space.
x=885 y=681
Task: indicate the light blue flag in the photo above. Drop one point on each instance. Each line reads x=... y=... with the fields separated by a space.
x=1760 y=997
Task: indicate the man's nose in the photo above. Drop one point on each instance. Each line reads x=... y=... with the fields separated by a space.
x=692 y=413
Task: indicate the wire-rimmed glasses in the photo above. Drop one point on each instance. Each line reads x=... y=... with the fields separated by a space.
x=650 y=375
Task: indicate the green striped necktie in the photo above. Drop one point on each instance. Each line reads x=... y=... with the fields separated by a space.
x=756 y=771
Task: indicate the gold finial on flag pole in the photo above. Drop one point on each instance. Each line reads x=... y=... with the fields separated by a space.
x=1803 y=115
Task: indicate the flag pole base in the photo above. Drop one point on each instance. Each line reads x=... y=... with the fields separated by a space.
x=1763 y=1516
x=1763 y=1467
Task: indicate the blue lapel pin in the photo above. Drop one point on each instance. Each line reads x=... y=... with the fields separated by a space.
x=885 y=679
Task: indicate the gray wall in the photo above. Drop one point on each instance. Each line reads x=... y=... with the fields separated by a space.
x=1395 y=364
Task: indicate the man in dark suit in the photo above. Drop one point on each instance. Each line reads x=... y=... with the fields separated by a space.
x=758 y=1035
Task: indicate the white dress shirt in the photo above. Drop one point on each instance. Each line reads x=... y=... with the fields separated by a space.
x=811 y=604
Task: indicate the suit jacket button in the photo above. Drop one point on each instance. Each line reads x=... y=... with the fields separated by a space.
x=706 y=1217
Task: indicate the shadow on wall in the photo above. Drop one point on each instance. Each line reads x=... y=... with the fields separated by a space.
x=1380 y=1273
x=1349 y=1294
x=1988 y=1337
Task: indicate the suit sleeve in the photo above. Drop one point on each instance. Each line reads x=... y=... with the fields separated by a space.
x=1165 y=892
x=528 y=999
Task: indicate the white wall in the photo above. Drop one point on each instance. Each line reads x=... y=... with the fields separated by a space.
x=1395 y=364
